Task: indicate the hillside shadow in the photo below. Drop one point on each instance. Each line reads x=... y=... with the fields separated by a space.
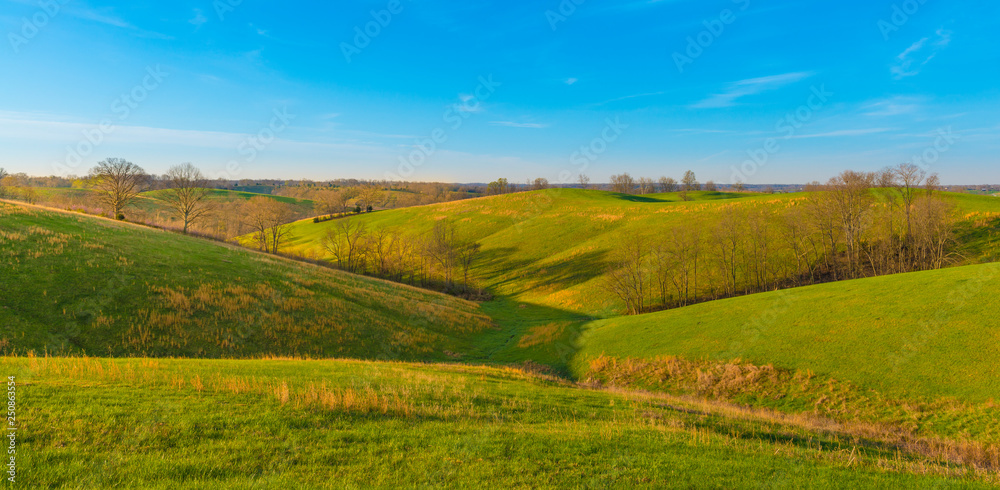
x=500 y=264
x=635 y=198
x=536 y=337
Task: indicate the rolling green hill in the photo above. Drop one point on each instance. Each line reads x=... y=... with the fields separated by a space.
x=932 y=334
x=281 y=423
x=74 y=284
x=552 y=248
x=546 y=254
x=546 y=248
x=151 y=202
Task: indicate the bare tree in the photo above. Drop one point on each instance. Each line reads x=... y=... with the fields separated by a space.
x=118 y=183
x=623 y=183
x=371 y=195
x=626 y=276
x=852 y=200
x=467 y=253
x=690 y=181
x=3 y=190
x=685 y=248
x=584 y=181
x=188 y=194
x=540 y=184
x=327 y=202
x=728 y=237
x=347 y=243
x=646 y=185
x=442 y=248
x=932 y=184
x=909 y=177
x=668 y=184
x=710 y=186
x=497 y=187
x=269 y=219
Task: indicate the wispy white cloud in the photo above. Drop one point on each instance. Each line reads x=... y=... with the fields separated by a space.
x=912 y=59
x=626 y=97
x=750 y=86
x=198 y=20
x=711 y=157
x=571 y=81
x=845 y=132
x=512 y=124
x=894 y=106
x=106 y=16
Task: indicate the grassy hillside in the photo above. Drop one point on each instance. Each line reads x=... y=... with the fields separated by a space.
x=552 y=248
x=73 y=283
x=930 y=334
x=545 y=255
x=546 y=248
x=281 y=423
x=151 y=204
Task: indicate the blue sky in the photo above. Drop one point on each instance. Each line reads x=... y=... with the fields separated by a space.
x=763 y=91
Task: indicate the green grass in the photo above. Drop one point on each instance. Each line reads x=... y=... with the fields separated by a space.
x=197 y=423
x=547 y=248
x=545 y=253
x=152 y=204
x=923 y=334
x=551 y=248
x=77 y=284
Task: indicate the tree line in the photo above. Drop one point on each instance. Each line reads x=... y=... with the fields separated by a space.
x=858 y=224
x=439 y=259
x=626 y=184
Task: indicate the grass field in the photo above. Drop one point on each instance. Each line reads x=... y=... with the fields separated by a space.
x=551 y=248
x=880 y=382
x=545 y=254
x=75 y=283
x=915 y=351
x=151 y=203
x=930 y=333
x=203 y=423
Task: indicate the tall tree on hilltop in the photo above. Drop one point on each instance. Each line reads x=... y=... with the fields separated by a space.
x=118 y=183
x=188 y=193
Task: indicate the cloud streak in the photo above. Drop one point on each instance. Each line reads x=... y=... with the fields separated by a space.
x=751 y=86
x=912 y=59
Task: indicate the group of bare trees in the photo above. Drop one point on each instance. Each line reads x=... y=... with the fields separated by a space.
x=364 y=197
x=858 y=224
x=119 y=182
x=626 y=184
x=431 y=259
x=499 y=186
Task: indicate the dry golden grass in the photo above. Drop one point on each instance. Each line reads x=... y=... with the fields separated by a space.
x=838 y=408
